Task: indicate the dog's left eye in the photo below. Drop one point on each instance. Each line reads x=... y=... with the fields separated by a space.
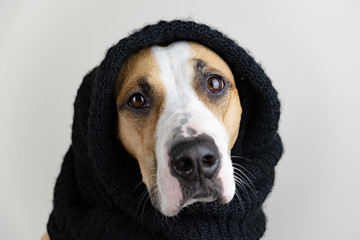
x=215 y=84
x=137 y=100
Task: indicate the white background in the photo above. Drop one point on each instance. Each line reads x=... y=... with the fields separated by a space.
x=310 y=49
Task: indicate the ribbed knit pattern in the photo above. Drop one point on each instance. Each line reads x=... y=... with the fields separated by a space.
x=97 y=194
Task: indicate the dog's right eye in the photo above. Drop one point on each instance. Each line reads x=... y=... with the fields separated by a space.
x=137 y=100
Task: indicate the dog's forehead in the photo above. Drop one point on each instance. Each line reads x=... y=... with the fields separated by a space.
x=176 y=71
x=183 y=57
x=179 y=58
x=179 y=62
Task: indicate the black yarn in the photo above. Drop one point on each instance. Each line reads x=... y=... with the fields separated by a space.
x=97 y=195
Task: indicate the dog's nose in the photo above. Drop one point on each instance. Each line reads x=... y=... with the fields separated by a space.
x=195 y=159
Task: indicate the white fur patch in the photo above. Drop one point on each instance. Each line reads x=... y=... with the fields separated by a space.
x=182 y=102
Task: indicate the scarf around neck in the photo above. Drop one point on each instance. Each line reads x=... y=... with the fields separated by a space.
x=99 y=194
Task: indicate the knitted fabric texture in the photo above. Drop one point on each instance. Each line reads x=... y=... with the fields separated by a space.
x=97 y=194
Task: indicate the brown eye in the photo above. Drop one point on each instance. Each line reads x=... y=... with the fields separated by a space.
x=137 y=100
x=215 y=84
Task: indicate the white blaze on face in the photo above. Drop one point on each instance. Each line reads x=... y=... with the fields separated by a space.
x=182 y=110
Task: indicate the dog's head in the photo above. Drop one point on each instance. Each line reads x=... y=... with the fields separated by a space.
x=178 y=116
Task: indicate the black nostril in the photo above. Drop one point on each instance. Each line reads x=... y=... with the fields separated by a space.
x=208 y=160
x=195 y=158
x=183 y=165
x=208 y=165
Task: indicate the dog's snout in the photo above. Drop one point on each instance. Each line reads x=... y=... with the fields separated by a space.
x=195 y=159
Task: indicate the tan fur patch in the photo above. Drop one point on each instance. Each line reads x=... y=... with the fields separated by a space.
x=227 y=109
x=137 y=132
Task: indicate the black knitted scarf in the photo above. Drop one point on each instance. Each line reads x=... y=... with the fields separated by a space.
x=98 y=195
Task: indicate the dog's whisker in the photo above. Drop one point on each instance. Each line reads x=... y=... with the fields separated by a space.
x=243 y=168
x=133 y=191
x=144 y=198
x=237 y=194
x=241 y=174
x=247 y=182
x=237 y=169
x=243 y=184
x=143 y=208
x=143 y=195
x=252 y=189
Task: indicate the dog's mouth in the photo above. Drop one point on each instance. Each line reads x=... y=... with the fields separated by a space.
x=208 y=191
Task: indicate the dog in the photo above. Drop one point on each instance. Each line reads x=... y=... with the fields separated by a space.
x=179 y=112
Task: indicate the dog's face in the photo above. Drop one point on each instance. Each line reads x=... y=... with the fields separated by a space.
x=178 y=116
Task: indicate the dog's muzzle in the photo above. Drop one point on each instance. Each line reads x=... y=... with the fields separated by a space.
x=195 y=162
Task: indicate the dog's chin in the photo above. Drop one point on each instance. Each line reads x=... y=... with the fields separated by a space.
x=199 y=200
x=171 y=210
